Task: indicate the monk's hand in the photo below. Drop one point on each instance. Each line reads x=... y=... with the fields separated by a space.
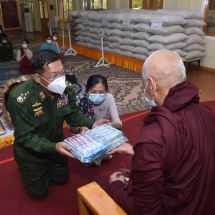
x=125 y=148
x=63 y=149
x=117 y=176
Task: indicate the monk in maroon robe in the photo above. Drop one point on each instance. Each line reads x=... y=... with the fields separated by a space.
x=173 y=167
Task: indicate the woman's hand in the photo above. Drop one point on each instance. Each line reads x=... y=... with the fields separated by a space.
x=100 y=122
x=125 y=148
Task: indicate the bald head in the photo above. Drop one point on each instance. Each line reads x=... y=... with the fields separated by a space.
x=165 y=67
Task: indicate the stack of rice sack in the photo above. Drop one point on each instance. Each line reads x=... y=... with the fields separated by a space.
x=128 y=32
x=73 y=24
x=124 y=37
x=193 y=45
x=76 y=21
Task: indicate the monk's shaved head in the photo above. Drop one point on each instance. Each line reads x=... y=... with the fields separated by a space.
x=164 y=66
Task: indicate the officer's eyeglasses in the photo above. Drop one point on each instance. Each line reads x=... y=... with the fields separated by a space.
x=56 y=75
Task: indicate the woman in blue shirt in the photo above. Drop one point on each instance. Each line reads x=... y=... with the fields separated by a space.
x=48 y=44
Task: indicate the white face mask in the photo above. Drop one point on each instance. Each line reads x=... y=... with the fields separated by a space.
x=54 y=38
x=57 y=86
x=24 y=46
x=48 y=41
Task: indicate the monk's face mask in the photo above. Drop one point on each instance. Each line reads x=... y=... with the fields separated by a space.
x=152 y=101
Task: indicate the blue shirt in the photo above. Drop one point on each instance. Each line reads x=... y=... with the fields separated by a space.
x=50 y=46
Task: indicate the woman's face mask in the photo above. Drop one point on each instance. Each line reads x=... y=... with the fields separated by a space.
x=24 y=45
x=4 y=41
x=97 y=98
x=48 y=41
x=152 y=101
x=54 y=38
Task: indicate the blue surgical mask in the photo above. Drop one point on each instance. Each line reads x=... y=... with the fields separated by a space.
x=97 y=98
x=152 y=101
x=4 y=41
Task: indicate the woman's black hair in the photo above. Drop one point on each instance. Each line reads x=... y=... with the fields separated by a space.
x=49 y=36
x=3 y=35
x=95 y=79
x=27 y=41
x=55 y=33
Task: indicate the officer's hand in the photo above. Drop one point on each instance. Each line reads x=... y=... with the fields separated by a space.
x=63 y=149
x=83 y=129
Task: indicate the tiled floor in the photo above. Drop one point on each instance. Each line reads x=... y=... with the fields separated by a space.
x=204 y=80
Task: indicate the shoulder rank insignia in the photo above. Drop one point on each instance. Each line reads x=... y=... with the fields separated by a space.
x=38 y=111
x=68 y=84
x=22 y=97
x=42 y=95
x=62 y=101
x=36 y=104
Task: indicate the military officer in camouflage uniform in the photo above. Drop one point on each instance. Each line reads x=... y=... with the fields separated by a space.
x=38 y=108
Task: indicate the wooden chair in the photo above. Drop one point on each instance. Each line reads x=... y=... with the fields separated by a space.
x=9 y=86
x=92 y=199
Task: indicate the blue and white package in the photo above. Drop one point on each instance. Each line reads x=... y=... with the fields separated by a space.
x=90 y=145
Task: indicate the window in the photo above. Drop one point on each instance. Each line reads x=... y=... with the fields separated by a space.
x=95 y=4
x=67 y=7
x=100 y=4
x=43 y=9
x=146 y=4
x=210 y=18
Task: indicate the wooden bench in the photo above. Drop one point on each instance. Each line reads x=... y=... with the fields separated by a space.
x=92 y=199
x=198 y=59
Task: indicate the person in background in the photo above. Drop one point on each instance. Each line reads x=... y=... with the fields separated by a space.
x=48 y=44
x=55 y=37
x=38 y=108
x=6 y=49
x=24 y=55
x=96 y=103
x=172 y=170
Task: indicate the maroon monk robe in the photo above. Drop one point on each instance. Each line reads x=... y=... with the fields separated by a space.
x=173 y=168
x=25 y=66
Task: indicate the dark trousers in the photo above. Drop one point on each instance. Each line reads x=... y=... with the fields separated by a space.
x=36 y=176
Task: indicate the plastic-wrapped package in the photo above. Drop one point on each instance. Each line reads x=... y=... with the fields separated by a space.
x=88 y=146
